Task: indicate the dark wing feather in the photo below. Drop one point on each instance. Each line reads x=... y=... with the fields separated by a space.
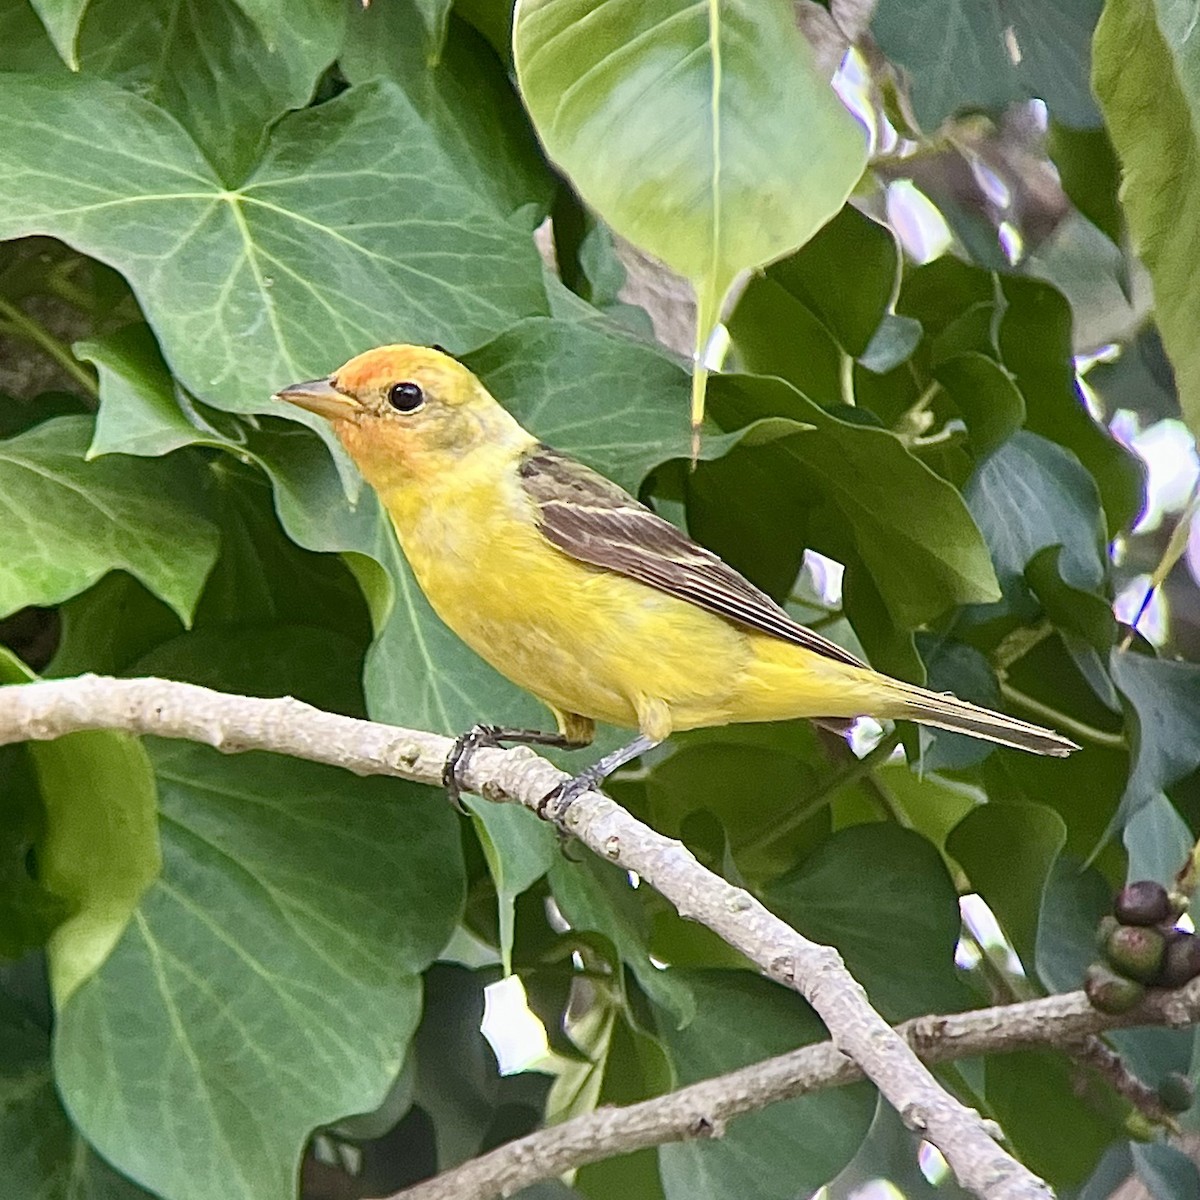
x=595 y=521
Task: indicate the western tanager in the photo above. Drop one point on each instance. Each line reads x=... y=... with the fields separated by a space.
x=578 y=593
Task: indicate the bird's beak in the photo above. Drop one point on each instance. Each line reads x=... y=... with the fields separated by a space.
x=321 y=397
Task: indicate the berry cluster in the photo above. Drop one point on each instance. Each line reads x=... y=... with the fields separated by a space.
x=1141 y=948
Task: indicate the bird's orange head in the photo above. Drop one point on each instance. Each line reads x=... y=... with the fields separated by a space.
x=403 y=412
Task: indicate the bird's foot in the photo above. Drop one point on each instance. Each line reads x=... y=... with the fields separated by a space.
x=460 y=753
x=554 y=804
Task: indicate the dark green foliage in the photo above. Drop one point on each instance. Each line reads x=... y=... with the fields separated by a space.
x=208 y=960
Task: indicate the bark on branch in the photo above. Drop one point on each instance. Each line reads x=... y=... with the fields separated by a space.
x=703 y=1109
x=231 y=724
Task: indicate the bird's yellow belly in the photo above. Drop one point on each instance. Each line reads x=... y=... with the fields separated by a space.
x=601 y=645
x=582 y=640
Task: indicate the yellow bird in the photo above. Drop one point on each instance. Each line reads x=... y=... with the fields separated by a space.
x=581 y=595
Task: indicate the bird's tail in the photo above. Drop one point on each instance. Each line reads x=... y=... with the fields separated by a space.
x=949 y=712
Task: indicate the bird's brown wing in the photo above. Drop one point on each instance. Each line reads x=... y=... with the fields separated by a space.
x=595 y=521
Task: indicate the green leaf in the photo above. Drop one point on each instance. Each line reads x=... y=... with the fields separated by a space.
x=892 y=344
x=1036 y=1096
x=27 y=44
x=751 y=779
x=1158 y=841
x=744 y=154
x=139 y=412
x=98 y=847
x=61 y=19
x=44 y=1157
x=776 y=334
x=816 y=273
x=883 y=897
x=457 y=1078
x=1090 y=174
x=29 y=911
x=1008 y=852
x=1031 y=494
x=1073 y=610
x=1163 y=701
x=846 y=480
x=1035 y=343
x=1145 y=51
x=595 y=896
x=1073 y=902
x=465 y=97
x=280 y=279
x=1165 y=1172
x=519 y=850
x=65 y=522
x=985 y=53
x=212 y=68
x=271 y=972
x=788 y=1149
x=986 y=395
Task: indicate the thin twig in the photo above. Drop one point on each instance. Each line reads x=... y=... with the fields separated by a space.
x=1081 y=730
x=703 y=1109
x=52 y=708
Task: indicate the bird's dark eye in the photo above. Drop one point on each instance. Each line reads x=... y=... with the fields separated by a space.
x=406 y=397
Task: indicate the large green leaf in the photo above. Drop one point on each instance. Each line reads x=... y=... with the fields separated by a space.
x=1034 y=335
x=271 y=974
x=97 y=848
x=883 y=897
x=333 y=244
x=1164 y=697
x=985 y=53
x=701 y=132
x=61 y=19
x=29 y=911
x=465 y=97
x=44 y=1157
x=65 y=522
x=212 y=68
x=1036 y=1095
x=1008 y=852
x=845 y=482
x=1030 y=494
x=1147 y=76
x=788 y=1149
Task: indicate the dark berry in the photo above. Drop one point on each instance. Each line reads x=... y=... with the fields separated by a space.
x=1142 y=902
x=1181 y=960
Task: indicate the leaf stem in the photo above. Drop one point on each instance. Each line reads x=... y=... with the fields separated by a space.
x=1080 y=729
x=23 y=325
x=846 y=379
x=850 y=774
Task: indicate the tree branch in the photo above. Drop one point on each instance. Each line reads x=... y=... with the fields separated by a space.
x=229 y=723
x=703 y=1109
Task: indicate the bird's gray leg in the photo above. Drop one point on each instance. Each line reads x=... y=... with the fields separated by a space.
x=556 y=803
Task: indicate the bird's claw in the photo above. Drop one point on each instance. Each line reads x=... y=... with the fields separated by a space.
x=465 y=745
x=554 y=804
